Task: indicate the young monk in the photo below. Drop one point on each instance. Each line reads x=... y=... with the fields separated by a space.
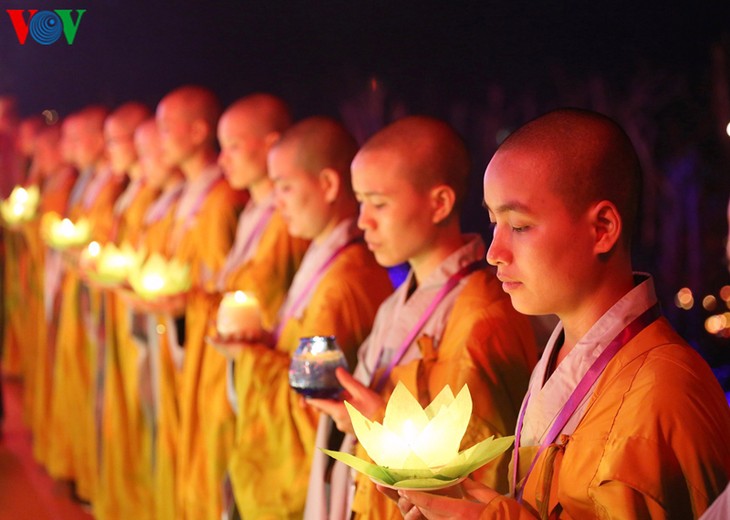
x=622 y=418
x=448 y=324
x=73 y=445
x=201 y=235
x=336 y=291
x=125 y=479
x=157 y=372
x=56 y=181
x=264 y=256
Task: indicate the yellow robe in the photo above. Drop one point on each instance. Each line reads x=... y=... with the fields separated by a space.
x=204 y=247
x=154 y=239
x=54 y=198
x=270 y=465
x=486 y=345
x=73 y=453
x=654 y=441
x=125 y=481
x=15 y=261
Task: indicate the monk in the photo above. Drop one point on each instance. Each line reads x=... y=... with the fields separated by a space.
x=448 y=323
x=201 y=236
x=125 y=485
x=264 y=256
x=72 y=454
x=56 y=178
x=335 y=292
x=622 y=418
x=157 y=372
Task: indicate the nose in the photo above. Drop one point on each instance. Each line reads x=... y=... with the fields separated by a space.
x=364 y=221
x=498 y=252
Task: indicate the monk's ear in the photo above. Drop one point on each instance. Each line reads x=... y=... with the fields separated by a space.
x=443 y=200
x=330 y=182
x=271 y=139
x=607 y=226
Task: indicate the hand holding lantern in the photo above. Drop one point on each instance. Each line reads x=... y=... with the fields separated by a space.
x=417 y=448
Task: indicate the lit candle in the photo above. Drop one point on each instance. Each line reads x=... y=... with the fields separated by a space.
x=238 y=313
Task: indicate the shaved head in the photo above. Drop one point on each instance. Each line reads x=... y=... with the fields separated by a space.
x=264 y=113
x=127 y=117
x=319 y=143
x=592 y=159
x=429 y=153
x=193 y=103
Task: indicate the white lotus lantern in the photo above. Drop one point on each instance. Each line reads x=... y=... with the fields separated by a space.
x=114 y=263
x=158 y=277
x=21 y=205
x=63 y=233
x=417 y=448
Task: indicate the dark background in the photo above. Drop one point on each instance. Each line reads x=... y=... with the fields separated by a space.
x=659 y=68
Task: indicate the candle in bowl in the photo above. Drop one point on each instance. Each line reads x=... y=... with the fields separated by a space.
x=313 y=365
x=239 y=314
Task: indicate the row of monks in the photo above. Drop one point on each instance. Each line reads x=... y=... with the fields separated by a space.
x=132 y=402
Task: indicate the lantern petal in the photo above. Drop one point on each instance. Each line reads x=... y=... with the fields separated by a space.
x=403 y=407
x=477 y=456
x=444 y=398
x=363 y=466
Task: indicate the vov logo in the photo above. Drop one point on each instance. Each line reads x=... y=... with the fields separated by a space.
x=45 y=27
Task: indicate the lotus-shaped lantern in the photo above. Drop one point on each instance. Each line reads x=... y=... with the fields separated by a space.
x=158 y=277
x=63 y=233
x=21 y=205
x=417 y=448
x=114 y=264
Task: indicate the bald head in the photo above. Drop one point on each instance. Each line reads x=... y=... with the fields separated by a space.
x=428 y=153
x=261 y=113
x=126 y=118
x=591 y=159
x=317 y=143
x=193 y=103
x=83 y=136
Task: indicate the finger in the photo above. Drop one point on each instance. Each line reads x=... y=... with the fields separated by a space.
x=327 y=406
x=349 y=383
x=388 y=492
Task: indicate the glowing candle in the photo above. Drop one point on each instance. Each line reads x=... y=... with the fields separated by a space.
x=238 y=313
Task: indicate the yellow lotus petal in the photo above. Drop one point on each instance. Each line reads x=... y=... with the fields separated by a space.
x=385 y=447
x=404 y=415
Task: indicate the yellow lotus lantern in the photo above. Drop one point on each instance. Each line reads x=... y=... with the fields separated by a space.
x=63 y=233
x=417 y=448
x=114 y=264
x=157 y=277
x=21 y=205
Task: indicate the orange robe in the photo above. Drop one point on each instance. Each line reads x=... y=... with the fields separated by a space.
x=54 y=198
x=654 y=441
x=270 y=465
x=486 y=345
x=125 y=481
x=163 y=375
x=203 y=246
x=76 y=367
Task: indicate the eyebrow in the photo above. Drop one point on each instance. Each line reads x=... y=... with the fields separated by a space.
x=514 y=206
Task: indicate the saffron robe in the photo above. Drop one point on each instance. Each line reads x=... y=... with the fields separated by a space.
x=74 y=453
x=652 y=439
x=275 y=440
x=474 y=337
x=55 y=193
x=202 y=243
x=125 y=488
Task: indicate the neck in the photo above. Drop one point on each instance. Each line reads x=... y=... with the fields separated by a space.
x=194 y=166
x=428 y=261
x=171 y=182
x=342 y=209
x=261 y=189
x=599 y=299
